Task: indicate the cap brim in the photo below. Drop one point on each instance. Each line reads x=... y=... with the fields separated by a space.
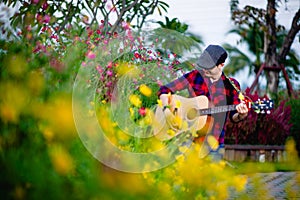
x=205 y=61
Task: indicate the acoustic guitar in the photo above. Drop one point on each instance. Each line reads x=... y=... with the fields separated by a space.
x=192 y=114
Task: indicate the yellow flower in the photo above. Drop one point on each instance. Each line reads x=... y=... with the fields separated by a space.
x=145 y=90
x=159 y=102
x=177 y=103
x=240 y=182
x=61 y=160
x=14 y=99
x=147 y=120
x=135 y=100
x=35 y=82
x=48 y=133
x=185 y=126
x=177 y=121
x=17 y=65
x=183 y=149
x=213 y=142
x=180 y=158
x=91 y=113
x=170 y=132
x=124 y=68
x=131 y=112
x=92 y=103
x=241 y=96
x=59 y=111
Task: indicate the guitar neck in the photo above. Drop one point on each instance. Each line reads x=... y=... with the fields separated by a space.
x=218 y=109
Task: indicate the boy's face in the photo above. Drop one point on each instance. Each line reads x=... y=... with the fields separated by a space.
x=214 y=72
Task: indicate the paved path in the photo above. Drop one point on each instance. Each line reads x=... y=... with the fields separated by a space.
x=271 y=186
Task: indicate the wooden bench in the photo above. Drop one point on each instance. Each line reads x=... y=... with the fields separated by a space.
x=258 y=153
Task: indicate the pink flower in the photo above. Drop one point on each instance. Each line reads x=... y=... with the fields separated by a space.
x=45 y=6
x=109 y=65
x=99 y=69
x=83 y=64
x=126 y=25
x=142 y=111
x=159 y=82
x=109 y=73
x=91 y=55
x=35 y=1
x=46 y=19
x=39 y=18
x=44 y=29
x=109 y=83
x=137 y=55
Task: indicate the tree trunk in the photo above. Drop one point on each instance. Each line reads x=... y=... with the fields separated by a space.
x=270 y=48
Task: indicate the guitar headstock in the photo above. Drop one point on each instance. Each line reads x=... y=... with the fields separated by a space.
x=263 y=106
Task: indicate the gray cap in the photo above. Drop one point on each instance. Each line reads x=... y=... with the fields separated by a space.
x=210 y=56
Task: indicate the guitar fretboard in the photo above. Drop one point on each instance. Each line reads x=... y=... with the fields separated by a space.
x=218 y=109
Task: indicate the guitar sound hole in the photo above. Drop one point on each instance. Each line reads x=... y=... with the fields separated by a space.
x=191 y=114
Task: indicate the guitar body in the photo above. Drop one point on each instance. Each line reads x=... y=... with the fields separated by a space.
x=193 y=114
x=183 y=116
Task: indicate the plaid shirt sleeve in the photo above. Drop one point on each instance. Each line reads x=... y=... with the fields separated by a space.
x=187 y=81
x=235 y=96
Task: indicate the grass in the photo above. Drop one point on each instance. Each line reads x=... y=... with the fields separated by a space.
x=256 y=167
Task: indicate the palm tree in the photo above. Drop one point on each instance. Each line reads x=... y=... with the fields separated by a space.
x=176 y=39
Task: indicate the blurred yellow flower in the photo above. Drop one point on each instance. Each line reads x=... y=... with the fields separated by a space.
x=135 y=100
x=92 y=103
x=177 y=122
x=183 y=149
x=180 y=159
x=165 y=188
x=131 y=112
x=61 y=159
x=177 y=104
x=240 y=182
x=241 y=96
x=170 y=132
x=35 y=82
x=291 y=151
x=131 y=183
x=48 y=134
x=9 y=113
x=19 y=192
x=159 y=102
x=91 y=113
x=124 y=68
x=17 y=65
x=123 y=136
x=58 y=116
x=213 y=142
x=14 y=101
x=145 y=90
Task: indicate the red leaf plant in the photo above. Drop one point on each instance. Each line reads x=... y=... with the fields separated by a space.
x=261 y=128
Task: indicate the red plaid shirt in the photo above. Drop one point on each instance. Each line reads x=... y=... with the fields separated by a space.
x=219 y=93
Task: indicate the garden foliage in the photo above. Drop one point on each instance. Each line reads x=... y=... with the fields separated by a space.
x=261 y=128
x=41 y=154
